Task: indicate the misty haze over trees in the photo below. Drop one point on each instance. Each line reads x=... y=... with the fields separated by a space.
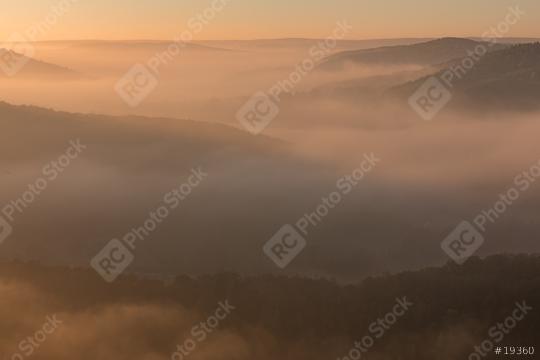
x=428 y=144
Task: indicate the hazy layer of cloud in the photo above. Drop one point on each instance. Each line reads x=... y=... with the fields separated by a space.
x=432 y=175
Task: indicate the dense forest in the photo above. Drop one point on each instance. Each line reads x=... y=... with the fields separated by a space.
x=452 y=309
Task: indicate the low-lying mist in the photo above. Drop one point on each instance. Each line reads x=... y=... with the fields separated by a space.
x=58 y=312
x=202 y=82
x=428 y=177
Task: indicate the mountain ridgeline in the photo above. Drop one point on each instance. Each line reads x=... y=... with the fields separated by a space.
x=425 y=53
x=508 y=78
x=26 y=67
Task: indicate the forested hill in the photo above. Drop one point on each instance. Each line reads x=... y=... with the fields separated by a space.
x=452 y=309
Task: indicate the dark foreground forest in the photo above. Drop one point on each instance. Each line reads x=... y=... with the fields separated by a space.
x=452 y=312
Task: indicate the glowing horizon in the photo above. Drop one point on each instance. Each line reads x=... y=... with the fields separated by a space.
x=249 y=20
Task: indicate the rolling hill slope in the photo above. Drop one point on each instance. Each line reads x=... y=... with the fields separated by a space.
x=30 y=67
x=426 y=53
x=508 y=78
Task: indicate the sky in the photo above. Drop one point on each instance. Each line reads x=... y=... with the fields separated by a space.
x=251 y=19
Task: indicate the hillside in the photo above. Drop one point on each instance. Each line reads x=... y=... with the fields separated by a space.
x=124 y=141
x=130 y=163
x=36 y=68
x=508 y=78
x=426 y=53
x=449 y=312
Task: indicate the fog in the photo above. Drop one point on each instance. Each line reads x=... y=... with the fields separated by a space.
x=202 y=82
x=146 y=320
x=194 y=198
x=119 y=331
x=59 y=312
x=430 y=177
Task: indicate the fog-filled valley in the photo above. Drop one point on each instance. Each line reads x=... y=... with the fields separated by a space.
x=426 y=177
x=311 y=182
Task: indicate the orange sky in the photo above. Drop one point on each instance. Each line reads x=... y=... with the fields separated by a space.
x=248 y=19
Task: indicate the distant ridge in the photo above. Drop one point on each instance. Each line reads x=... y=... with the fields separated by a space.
x=432 y=52
x=508 y=78
x=33 y=67
x=153 y=45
